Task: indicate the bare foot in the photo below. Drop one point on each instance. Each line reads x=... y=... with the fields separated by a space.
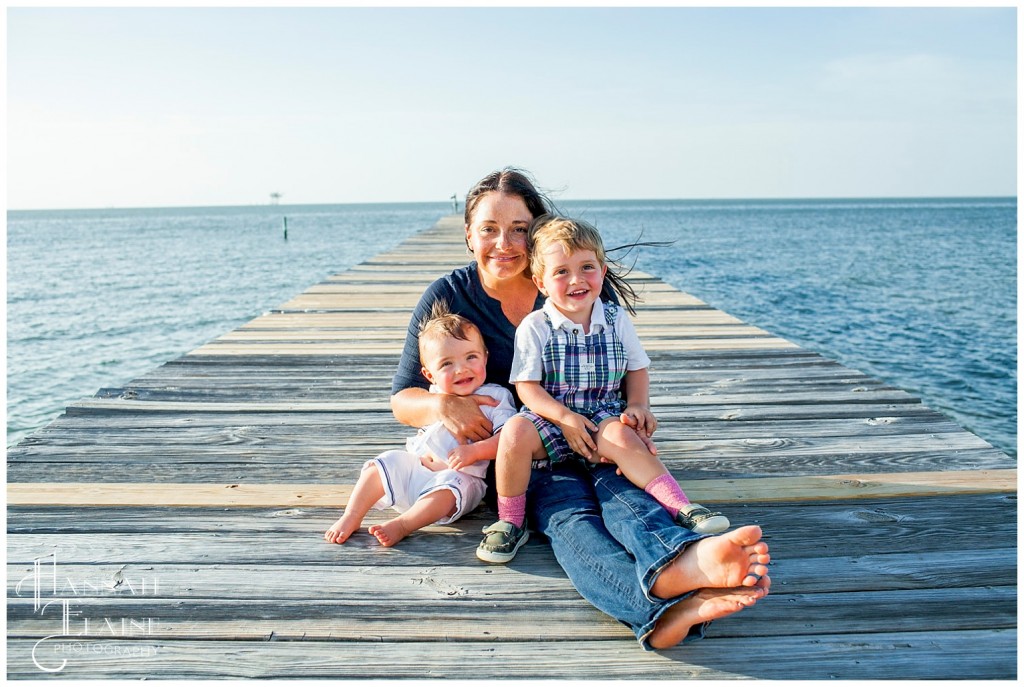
x=390 y=532
x=341 y=530
x=707 y=604
x=733 y=559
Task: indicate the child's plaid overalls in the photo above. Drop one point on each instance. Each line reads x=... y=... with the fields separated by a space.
x=584 y=373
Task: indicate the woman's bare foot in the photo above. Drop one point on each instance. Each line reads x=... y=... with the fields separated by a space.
x=341 y=530
x=390 y=532
x=733 y=559
x=706 y=604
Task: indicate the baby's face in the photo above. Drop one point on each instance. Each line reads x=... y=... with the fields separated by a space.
x=455 y=366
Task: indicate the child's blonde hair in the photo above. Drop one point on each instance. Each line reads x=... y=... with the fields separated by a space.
x=571 y=234
x=441 y=322
x=575 y=235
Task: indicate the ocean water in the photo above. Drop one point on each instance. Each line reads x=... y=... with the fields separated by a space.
x=918 y=293
x=96 y=298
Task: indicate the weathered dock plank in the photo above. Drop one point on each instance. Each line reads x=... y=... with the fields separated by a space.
x=180 y=515
x=394 y=617
x=723 y=491
x=980 y=654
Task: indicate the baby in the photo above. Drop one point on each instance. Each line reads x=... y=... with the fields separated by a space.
x=436 y=479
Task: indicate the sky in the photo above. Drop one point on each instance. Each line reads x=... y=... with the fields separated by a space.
x=157 y=107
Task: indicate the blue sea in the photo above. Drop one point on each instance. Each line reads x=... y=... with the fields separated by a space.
x=920 y=293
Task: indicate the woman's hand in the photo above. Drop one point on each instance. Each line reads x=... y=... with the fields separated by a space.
x=641 y=419
x=462 y=416
x=578 y=432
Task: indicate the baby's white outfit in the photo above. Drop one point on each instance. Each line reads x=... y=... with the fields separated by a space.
x=406 y=480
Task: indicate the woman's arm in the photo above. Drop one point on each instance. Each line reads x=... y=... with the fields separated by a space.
x=411 y=402
x=461 y=415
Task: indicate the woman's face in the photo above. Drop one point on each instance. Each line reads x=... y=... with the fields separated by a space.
x=497 y=235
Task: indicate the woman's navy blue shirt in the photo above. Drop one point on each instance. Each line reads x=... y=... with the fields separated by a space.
x=465 y=296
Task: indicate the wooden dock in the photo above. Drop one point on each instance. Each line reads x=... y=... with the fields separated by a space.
x=173 y=528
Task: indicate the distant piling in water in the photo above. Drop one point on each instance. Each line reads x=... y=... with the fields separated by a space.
x=285 y=228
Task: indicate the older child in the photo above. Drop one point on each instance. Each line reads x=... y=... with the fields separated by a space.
x=435 y=480
x=582 y=375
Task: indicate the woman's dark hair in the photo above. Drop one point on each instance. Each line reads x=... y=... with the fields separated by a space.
x=513 y=182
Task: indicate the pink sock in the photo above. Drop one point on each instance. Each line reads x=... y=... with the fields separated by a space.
x=512 y=509
x=667 y=492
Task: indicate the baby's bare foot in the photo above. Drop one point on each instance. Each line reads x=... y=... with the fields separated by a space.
x=390 y=532
x=341 y=530
x=706 y=604
x=733 y=559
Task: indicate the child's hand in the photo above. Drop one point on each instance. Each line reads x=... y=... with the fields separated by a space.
x=578 y=432
x=431 y=463
x=461 y=457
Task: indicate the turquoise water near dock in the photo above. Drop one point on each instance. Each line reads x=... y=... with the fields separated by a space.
x=920 y=293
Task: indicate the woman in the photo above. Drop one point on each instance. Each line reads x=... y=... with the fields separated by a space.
x=618 y=546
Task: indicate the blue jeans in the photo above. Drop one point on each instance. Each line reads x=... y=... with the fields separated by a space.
x=611 y=538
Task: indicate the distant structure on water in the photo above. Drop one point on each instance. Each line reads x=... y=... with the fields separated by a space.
x=275 y=198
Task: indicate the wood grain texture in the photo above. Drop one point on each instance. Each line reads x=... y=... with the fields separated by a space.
x=811 y=488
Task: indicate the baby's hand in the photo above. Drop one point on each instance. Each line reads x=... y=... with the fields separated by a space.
x=431 y=463
x=578 y=432
x=461 y=457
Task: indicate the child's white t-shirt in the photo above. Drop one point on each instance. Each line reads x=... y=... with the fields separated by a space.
x=533 y=334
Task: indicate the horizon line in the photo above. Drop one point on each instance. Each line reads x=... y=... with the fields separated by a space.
x=566 y=200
